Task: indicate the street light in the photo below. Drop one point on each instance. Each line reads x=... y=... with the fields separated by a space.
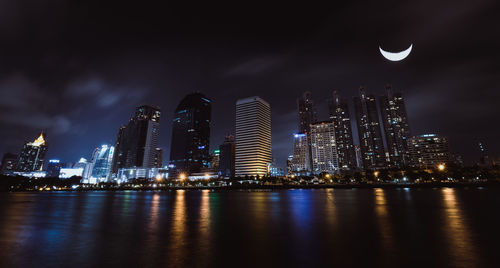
x=182 y=176
x=441 y=167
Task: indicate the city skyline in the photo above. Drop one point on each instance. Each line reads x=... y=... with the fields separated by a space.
x=62 y=81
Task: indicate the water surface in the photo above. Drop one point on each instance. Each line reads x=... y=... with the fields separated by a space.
x=315 y=228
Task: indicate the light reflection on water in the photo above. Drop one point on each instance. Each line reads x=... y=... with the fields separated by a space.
x=461 y=246
x=244 y=228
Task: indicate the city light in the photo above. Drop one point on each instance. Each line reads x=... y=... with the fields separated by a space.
x=441 y=167
x=182 y=176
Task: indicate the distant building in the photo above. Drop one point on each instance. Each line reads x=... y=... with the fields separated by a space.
x=102 y=159
x=9 y=163
x=227 y=153
x=158 y=159
x=215 y=160
x=429 y=150
x=396 y=127
x=66 y=173
x=253 y=137
x=136 y=142
x=324 y=148
x=87 y=168
x=54 y=168
x=189 y=151
x=339 y=114
x=289 y=165
x=301 y=158
x=307 y=112
x=33 y=155
x=484 y=158
x=126 y=174
x=276 y=171
x=369 y=132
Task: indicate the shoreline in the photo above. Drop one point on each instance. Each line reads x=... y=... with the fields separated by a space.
x=494 y=184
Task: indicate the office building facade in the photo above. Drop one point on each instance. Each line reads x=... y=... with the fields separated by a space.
x=189 y=151
x=253 y=137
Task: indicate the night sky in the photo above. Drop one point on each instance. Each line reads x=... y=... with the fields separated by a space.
x=78 y=70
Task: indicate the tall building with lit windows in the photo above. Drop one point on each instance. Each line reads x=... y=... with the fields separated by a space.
x=429 y=151
x=137 y=141
x=300 y=162
x=253 y=137
x=189 y=150
x=396 y=127
x=339 y=115
x=32 y=155
x=369 y=131
x=323 y=148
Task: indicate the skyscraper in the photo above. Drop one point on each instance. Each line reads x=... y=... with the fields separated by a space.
x=189 y=151
x=227 y=152
x=396 y=127
x=102 y=159
x=32 y=155
x=307 y=112
x=323 y=148
x=428 y=150
x=253 y=137
x=370 y=135
x=339 y=114
x=301 y=158
x=136 y=142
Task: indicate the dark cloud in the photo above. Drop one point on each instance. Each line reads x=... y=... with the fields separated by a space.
x=78 y=70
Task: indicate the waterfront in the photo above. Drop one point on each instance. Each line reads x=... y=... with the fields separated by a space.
x=450 y=227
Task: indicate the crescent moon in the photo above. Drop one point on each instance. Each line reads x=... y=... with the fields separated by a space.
x=396 y=56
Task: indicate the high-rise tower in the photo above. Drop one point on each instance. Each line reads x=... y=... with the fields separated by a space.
x=339 y=114
x=136 y=142
x=32 y=155
x=189 y=151
x=307 y=112
x=370 y=135
x=396 y=127
x=253 y=137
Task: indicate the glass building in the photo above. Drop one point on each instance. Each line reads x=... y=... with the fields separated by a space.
x=189 y=150
x=102 y=159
